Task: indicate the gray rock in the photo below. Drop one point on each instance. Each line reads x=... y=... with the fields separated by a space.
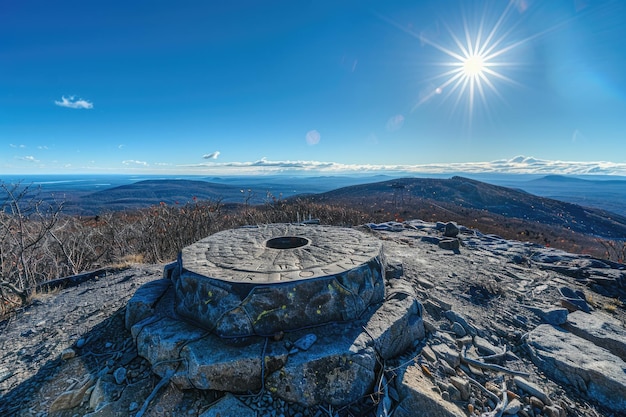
x=462 y=385
x=68 y=353
x=446 y=353
x=602 y=330
x=453 y=392
x=395 y=325
x=337 y=369
x=485 y=347
x=142 y=303
x=570 y=359
x=418 y=396
x=513 y=407
x=574 y=300
x=450 y=244
x=555 y=316
x=103 y=392
x=323 y=274
x=120 y=375
x=160 y=341
x=454 y=316
x=458 y=329
x=229 y=405
x=451 y=230
x=213 y=364
x=532 y=389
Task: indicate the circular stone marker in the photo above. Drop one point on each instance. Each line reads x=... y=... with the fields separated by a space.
x=279 y=277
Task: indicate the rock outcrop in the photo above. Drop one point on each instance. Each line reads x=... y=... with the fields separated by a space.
x=505 y=332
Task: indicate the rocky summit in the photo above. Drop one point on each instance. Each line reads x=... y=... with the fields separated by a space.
x=469 y=324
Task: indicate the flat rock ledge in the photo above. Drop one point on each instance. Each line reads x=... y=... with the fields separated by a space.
x=335 y=363
x=578 y=362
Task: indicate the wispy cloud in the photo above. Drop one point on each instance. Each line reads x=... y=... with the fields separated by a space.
x=395 y=123
x=212 y=155
x=135 y=162
x=29 y=158
x=516 y=165
x=12 y=145
x=43 y=147
x=72 y=102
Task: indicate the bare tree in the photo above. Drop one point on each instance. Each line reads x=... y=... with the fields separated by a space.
x=26 y=221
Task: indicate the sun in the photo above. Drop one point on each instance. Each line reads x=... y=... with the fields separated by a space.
x=473 y=66
x=476 y=60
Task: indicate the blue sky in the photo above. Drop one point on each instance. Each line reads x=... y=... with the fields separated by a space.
x=197 y=87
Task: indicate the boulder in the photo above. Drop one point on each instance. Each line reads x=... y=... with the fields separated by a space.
x=142 y=303
x=337 y=369
x=590 y=369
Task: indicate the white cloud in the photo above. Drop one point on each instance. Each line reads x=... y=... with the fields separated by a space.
x=134 y=162
x=212 y=155
x=395 y=123
x=120 y=146
x=29 y=158
x=72 y=102
x=16 y=146
x=43 y=148
x=516 y=165
x=313 y=137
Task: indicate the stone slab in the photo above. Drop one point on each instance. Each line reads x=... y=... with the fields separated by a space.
x=212 y=364
x=592 y=370
x=602 y=330
x=339 y=367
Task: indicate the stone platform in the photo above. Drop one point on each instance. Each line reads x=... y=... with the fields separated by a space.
x=311 y=341
x=266 y=279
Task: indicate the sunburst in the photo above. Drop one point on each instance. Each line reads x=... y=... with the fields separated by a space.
x=477 y=61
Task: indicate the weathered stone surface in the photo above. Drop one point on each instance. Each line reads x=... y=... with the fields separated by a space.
x=120 y=407
x=453 y=316
x=418 y=396
x=73 y=396
x=341 y=365
x=103 y=392
x=318 y=274
x=448 y=354
x=335 y=370
x=229 y=405
x=592 y=370
x=533 y=389
x=395 y=325
x=212 y=364
x=600 y=329
x=160 y=341
x=142 y=303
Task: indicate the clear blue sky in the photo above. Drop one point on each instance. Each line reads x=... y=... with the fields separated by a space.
x=305 y=86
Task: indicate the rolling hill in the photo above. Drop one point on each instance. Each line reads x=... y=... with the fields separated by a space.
x=466 y=198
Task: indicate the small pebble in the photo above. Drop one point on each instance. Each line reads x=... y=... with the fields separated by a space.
x=120 y=375
x=68 y=353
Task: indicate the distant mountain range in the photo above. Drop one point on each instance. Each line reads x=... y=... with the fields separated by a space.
x=594 y=207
